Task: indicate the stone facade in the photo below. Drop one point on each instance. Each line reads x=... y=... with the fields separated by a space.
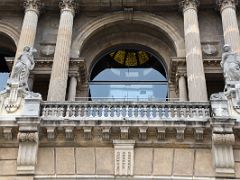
x=59 y=134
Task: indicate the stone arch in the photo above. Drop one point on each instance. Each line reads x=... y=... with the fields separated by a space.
x=142 y=17
x=9 y=31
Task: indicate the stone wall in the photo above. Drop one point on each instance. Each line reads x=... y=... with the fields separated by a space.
x=70 y=162
x=90 y=161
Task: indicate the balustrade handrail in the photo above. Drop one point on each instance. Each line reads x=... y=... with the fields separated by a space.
x=167 y=103
x=90 y=110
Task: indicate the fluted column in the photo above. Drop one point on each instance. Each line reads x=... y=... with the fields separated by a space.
x=182 y=88
x=29 y=26
x=59 y=75
x=72 y=88
x=230 y=24
x=195 y=71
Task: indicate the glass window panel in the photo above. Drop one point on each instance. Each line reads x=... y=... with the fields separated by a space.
x=129 y=74
x=3 y=80
x=121 y=92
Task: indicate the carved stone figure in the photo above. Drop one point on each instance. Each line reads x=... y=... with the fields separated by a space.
x=230 y=64
x=17 y=85
x=22 y=67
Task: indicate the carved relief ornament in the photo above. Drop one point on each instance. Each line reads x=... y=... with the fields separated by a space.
x=189 y=4
x=227 y=4
x=32 y=5
x=68 y=5
x=27 y=137
x=223 y=139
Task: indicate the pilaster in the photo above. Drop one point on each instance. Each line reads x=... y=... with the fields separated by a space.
x=28 y=138
x=222 y=141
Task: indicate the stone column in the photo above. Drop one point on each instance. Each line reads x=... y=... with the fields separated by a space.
x=59 y=75
x=72 y=88
x=29 y=26
x=195 y=71
x=182 y=88
x=230 y=24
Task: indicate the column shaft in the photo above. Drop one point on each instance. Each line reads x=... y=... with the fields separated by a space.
x=29 y=26
x=72 y=89
x=230 y=25
x=28 y=31
x=195 y=71
x=182 y=88
x=59 y=75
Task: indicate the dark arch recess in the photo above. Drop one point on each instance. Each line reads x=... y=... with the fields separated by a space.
x=100 y=60
x=7 y=49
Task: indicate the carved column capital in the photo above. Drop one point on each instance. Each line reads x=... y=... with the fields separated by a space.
x=68 y=5
x=189 y=4
x=226 y=4
x=32 y=5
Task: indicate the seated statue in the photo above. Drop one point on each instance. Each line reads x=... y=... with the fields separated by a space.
x=230 y=64
x=22 y=67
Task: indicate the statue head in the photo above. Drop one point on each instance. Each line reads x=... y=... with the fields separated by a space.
x=227 y=48
x=26 y=49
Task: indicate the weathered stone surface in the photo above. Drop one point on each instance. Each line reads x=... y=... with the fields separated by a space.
x=85 y=160
x=183 y=162
x=143 y=161
x=45 y=161
x=8 y=167
x=203 y=163
x=162 y=161
x=16 y=178
x=8 y=153
x=236 y=155
x=65 y=161
x=237 y=170
x=104 y=161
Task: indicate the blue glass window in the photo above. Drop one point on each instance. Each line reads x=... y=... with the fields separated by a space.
x=128 y=75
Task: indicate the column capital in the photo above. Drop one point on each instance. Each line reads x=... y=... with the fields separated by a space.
x=189 y=4
x=222 y=4
x=68 y=5
x=32 y=5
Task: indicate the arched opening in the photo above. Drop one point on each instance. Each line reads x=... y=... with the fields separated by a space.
x=7 y=49
x=128 y=73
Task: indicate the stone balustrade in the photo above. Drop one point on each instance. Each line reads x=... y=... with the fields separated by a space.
x=140 y=111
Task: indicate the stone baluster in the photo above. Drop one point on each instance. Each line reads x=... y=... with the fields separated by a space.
x=230 y=24
x=182 y=88
x=197 y=88
x=72 y=88
x=29 y=25
x=59 y=75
